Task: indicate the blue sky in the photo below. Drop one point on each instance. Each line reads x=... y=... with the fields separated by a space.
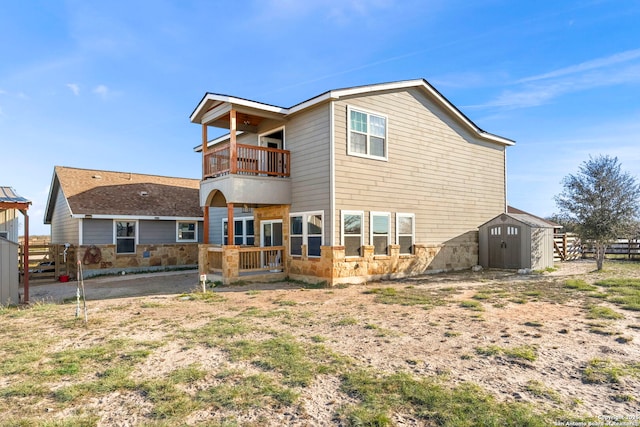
x=110 y=85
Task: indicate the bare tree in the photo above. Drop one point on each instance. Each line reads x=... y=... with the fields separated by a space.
x=602 y=200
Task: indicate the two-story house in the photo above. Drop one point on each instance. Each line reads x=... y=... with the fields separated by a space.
x=380 y=181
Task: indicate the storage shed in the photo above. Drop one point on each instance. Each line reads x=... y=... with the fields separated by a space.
x=10 y=203
x=516 y=241
x=8 y=272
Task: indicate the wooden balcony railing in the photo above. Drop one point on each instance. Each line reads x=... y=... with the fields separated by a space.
x=251 y=160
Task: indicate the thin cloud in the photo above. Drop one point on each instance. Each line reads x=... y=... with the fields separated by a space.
x=542 y=89
x=75 y=88
x=102 y=91
x=597 y=63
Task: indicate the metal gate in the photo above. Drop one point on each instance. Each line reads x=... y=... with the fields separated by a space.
x=504 y=246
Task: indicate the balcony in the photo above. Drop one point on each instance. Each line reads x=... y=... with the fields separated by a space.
x=248 y=160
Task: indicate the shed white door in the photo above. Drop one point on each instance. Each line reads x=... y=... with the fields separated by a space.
x=504 y=246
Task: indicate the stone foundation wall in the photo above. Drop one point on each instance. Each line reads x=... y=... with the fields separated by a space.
x=334 y=268
x=146 y=258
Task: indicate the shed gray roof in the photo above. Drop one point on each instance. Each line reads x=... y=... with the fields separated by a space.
x=9 y=195
x=527 y=219
x=530 y=220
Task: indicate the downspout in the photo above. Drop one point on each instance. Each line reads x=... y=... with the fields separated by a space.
x=26 y=256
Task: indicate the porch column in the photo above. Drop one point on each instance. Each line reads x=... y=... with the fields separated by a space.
x=26 y=256
x=204 y=151
x=230 y=225
x=205 y=237
x=233 y=154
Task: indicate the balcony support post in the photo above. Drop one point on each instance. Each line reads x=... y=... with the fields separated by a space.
x=233 y=152
x=204 y=149
x=205 y=238
x=230 y=225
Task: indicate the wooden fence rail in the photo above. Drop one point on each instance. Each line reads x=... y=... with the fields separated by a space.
x=566 y=247
x=47 y=262
x=621 y=248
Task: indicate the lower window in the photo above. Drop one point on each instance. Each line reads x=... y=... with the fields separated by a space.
x=305 y=229
x=126 y=237
x=405 y=232
x=379 y=226
x=187 y=231
x=243 y=232
x=352 y=232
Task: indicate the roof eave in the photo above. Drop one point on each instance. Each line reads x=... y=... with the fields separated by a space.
x=201 y=108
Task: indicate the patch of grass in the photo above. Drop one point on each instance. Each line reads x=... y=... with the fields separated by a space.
x=285 y=303
x=297 y=362
x=24 y=389
x=525 y=352
x=624 y=292
x=605 y=371
x=601 y=312
x=217 y=329
x=600 y=328
x=169 y=402
x=212 y=297
x=318 y=338
x=409 y=296
x=579 y=284
x=244 y=392
x=150 y=304
x=472 y=305
x=346 y=321
x=187 y=375
x=83 y=420
x=20 y=354
x=111 y=379
x=452 y=334
x=533 y=324
x=540 y=390
x=429 y=401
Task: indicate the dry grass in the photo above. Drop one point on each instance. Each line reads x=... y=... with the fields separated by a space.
x=489 y=348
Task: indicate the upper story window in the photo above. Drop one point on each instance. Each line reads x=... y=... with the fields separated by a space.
x=367 y=134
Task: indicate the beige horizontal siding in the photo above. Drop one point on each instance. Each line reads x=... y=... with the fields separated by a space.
x=307 y=136
x=452 y=180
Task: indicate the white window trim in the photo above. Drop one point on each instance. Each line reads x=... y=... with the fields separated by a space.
x=135 y=238
x=305 y=230
x=413 y=228
x=284 y=136
x=342 y=215
x=244 y=220
x=388 y=215
x=195 y=234
x=386 y=134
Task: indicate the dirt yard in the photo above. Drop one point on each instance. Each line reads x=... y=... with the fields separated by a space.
x=521 y=338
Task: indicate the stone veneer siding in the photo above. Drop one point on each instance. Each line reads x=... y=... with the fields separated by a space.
x=334 y=268
x=146 y=258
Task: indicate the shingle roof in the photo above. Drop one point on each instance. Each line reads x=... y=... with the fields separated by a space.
x=97 y=192
x=9 y=195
